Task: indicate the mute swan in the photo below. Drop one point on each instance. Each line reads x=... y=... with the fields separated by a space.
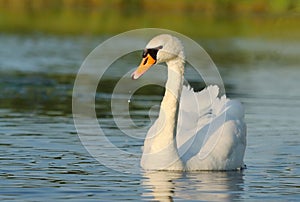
x=194 y=130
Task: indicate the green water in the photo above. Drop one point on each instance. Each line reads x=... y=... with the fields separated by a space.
x=42 y=158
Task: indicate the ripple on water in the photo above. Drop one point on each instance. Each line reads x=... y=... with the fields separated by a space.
x=41 y=156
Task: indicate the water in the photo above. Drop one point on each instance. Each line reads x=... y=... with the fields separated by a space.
x=41 y=156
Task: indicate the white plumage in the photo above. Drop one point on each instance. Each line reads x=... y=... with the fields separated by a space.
x=194 y=130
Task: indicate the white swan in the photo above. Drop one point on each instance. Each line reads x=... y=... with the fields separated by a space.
x=194 y=130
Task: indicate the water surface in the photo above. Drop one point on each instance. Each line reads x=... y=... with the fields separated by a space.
x=41 y=156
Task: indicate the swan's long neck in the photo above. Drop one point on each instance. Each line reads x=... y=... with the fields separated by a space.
x=170 y=103
x=161 y=148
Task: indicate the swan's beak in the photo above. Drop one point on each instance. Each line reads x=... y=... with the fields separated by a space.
x=146 y=63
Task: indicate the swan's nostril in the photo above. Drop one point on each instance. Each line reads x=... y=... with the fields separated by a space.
x=145 y=62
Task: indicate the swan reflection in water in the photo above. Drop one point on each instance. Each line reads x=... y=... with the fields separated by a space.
x=204 y=186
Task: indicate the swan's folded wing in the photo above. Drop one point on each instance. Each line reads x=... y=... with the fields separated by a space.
x=195 y=112
x=197 y=102
x=203 y=117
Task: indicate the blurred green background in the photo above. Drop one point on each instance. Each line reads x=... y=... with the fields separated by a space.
x=210 y=18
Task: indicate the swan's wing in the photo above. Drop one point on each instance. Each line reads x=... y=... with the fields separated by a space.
x=202 y=100
x=227 y=130
x=195 y=107
x=195 y=111
x=210 y=125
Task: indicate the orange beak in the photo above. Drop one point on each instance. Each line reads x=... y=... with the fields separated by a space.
x=146 y=63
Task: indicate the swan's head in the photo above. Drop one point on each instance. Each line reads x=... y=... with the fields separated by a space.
x=162 y=48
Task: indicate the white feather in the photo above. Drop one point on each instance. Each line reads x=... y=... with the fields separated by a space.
x=200 y=132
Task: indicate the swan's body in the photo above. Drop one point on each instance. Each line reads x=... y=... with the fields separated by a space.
x=194 y=130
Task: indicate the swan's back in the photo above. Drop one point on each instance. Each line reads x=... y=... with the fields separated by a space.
x=211 y=133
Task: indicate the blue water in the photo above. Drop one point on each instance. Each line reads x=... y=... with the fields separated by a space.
x=42 y=157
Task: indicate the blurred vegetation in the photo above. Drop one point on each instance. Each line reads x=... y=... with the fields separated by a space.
x=210 y=18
